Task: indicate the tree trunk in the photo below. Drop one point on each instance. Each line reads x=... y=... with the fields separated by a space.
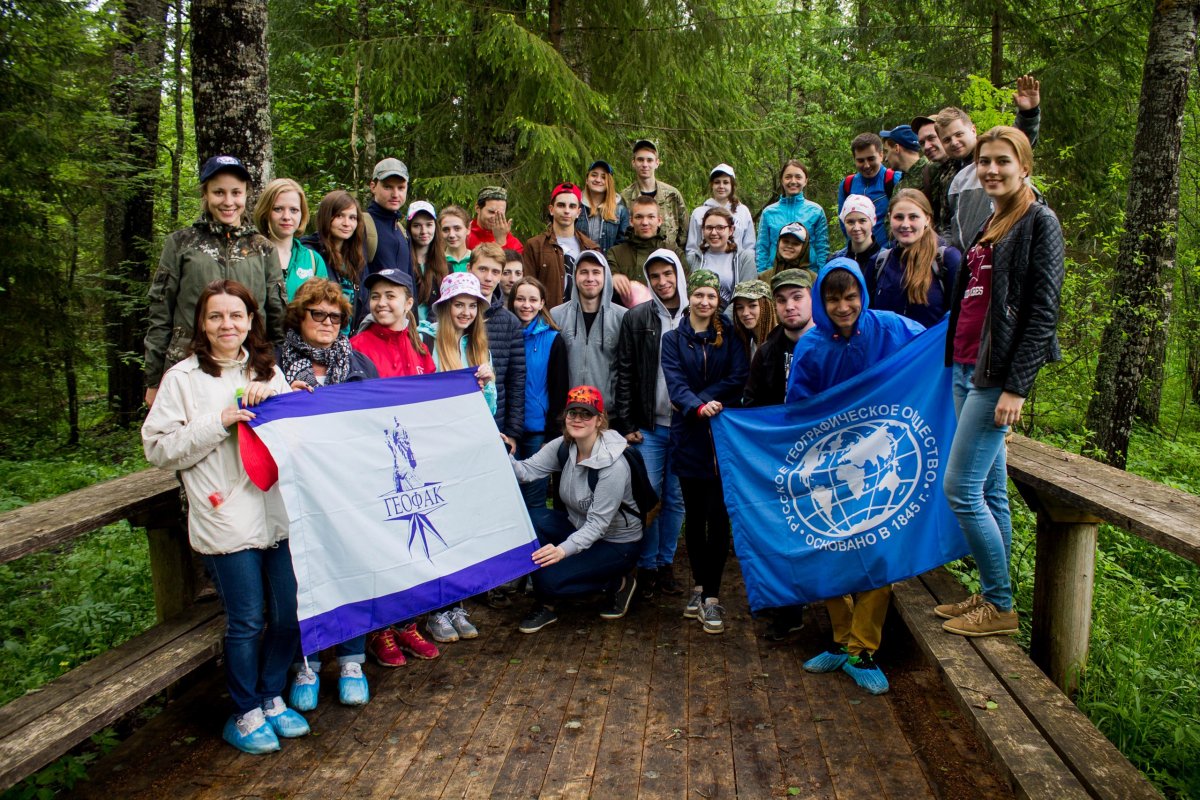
x=1147 y=249
x=555 y=29
x=177 y=91
x=997 y=71
x=362 y=125
x=229 y=83
x=70 y=336
x=485 y=149
x=129 y=199
x=1150 y=396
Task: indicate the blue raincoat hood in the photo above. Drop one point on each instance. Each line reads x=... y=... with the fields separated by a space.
x=820 y=318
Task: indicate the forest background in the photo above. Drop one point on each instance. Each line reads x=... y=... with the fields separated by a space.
x=99 y=158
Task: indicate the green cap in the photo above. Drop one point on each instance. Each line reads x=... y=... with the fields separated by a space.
x=752 y=290
x=801 y=278
x=704 y=279
x=491 y=193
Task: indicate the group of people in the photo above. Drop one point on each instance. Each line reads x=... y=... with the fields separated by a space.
x=604 y=347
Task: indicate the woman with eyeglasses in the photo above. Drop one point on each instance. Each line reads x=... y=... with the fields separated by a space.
x=720 y=255
x=722 y=188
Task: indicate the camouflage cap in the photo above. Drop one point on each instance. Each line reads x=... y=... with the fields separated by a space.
x=801 y=278
x=492 y=193
x=752 y=290
x=703 y=279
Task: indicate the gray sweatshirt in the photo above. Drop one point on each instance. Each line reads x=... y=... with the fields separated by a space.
x=662 y=402
x=597 y=516
x=590 y=354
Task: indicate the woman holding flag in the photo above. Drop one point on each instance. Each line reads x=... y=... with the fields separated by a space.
x=241 y=531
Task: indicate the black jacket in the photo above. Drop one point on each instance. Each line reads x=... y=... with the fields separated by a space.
x=1019 y=333
x=637 y=369
x=507 y=344
x=769 y=369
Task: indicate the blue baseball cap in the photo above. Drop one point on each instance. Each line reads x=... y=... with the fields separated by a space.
x=396 y=276
x=224 y=164
x=604 y=165
x=902 y=135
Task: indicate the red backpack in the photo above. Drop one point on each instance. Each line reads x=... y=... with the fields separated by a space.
x=889 y=182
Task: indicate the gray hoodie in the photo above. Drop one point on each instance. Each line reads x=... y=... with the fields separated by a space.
x=595 y=516
x=591 y=354
x=662 y=398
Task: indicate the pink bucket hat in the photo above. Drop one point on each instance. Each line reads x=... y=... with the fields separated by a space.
x=457 y=283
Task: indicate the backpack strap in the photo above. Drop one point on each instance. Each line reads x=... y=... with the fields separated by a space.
x=939 y=271
x=849 y=179
x=880 y=259
x=371 y=235
x=889 y=182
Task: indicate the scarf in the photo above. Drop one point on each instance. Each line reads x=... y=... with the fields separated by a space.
x=299 y=357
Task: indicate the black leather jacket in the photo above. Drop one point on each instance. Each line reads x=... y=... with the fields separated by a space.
x=637 y=369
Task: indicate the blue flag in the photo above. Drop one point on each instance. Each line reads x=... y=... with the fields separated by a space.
x=842 y=492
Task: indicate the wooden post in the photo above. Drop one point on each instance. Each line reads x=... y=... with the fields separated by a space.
x=1062 y=592
x=172 y=566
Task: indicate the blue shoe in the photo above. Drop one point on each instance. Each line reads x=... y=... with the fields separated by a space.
x=866 y=673
x=285 y=722
x=829 y=661
x=352 y=686
x=250 y=733
x=305 y=686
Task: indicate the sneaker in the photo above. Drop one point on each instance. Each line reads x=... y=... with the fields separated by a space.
x=382 y=647
x=866 y=673
x=666 y=581
x=413 y=643
x=784 y=622
x=286 y=722
x=984 y=620
x=440 y=627
x=621 y=598
x=829 y=661
x=352 y=685
x=496 y=598
x=647 y=582
x=537 y=619
x=711 y=616
x=952 y=610
x=250 y=733
x=462 y=625
x=303 y=696
x=692 y=609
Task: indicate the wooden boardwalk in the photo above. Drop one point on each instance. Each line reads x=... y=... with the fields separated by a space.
x=648 y=707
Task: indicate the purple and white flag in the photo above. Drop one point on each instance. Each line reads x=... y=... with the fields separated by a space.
x=400 y=495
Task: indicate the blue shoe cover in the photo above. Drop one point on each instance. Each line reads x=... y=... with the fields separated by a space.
x=305 y=689
x=256 y=742
x=829 y=661
x=867 y=675
x=353 y=690
x=286 y=722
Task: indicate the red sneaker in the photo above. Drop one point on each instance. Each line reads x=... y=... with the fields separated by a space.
x=410 y=641
x=382 y=647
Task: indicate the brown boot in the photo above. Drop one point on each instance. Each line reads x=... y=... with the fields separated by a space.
x=952 y=610
x=983 y=621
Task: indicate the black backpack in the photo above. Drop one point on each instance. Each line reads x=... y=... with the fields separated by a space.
x=939 y=269
x=644 y=495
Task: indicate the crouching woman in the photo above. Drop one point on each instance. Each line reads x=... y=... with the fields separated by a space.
x=241 y=531
x=592 y=545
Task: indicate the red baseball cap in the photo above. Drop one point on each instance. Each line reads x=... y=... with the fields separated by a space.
x=587 y=398
x=567 y=188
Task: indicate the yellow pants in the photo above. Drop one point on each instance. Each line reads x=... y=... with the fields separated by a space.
x=858 y=620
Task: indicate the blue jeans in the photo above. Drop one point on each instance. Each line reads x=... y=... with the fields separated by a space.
x=259 y=646
x=597 y=569
x=661 y=536
x=536 y=491
x=351 y=651
x=976 y=485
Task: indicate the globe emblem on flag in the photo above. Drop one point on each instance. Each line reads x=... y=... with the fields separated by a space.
x=855 y=478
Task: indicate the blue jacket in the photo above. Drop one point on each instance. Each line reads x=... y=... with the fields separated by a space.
x=824 y=358
x=546 y=374
x=876 y=190
x=784 y=212
x=392 y=251
x=886 y=285
x=696 y=373
x=611 y=233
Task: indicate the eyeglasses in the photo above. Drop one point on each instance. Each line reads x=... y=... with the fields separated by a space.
x=580 y=413
x=715 y=228
x=318 y=316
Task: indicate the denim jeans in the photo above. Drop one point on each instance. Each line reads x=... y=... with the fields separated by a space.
x=535 y=492
x=662 y=535
x=976 y=485
x=259 y=646
x=597 y=569
x=351 y=651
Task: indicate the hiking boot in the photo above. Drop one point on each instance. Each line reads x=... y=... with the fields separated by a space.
x=497 y=598
x=952 y=610
x=829 y=661
x=413 y=643
x=866 y=673
x=305 y=685
x=250 y=733
x=784 y=622
x=621 y=598
x=647 y=582
x=382 y=647
x=692 y=609
x=440 y=627
x=666 y=581
x=711 y=616
x=537 y=619
x=462 y=625
x=286 y=722
x=985 y=620
x=352 y=685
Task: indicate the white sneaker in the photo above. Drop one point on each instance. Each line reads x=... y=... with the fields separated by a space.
x=440 y=628
x=462 y=625
x=251 y=721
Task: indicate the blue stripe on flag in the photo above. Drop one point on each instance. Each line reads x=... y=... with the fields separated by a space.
x=381 y=393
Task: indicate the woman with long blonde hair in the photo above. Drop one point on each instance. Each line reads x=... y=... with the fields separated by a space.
x=603 y=217
x=913 y=279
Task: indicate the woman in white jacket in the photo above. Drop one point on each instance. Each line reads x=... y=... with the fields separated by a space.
x=240 y=530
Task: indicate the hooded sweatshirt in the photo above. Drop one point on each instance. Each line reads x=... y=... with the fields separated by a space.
x=783 y=212
x=594 y=515
x=591 y=355
x=743 y=228
x=824 y=358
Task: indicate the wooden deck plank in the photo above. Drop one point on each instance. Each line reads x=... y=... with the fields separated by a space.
x=1032 y=766
x=664 y=751
x=895 y=764
x=710 y=749
x=757 y=766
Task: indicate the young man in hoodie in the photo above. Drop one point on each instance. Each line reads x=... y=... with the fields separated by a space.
x=848 y=338
x=590 y=324
x=642 y=411
x=645 y=237
x=491 y=222
x=670 y=201
x=551 y=256
x=506 y=341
